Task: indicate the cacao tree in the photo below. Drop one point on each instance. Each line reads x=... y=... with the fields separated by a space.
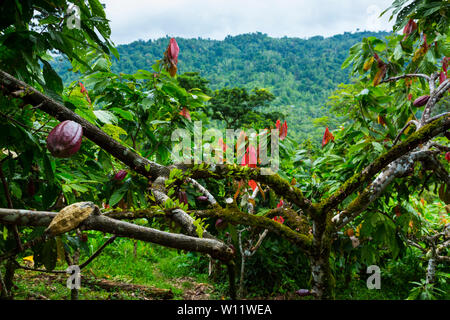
x=362 y=181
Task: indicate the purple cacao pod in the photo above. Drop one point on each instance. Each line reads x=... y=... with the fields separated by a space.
x=220 y=224
x=303 y=292
x=65 y=139
x=421 y=101
x=119 y=176
x=182 y=196
x=202 y=198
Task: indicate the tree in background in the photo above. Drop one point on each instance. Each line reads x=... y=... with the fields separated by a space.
x=239 y=108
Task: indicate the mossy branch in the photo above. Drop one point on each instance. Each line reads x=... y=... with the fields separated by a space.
x=358 y=180
x=233 y=215
x=278 y=184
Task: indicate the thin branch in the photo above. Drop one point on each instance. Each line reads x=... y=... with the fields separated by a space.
x=38 y=270
x=99 y=250
x=438 y=116
x=440 y=146
x=4 y=291
x=414 y=122
x=14 y=229
x=203 y=191
x=409 y=75
x=435 y=96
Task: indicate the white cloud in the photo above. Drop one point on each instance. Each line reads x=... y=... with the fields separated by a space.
x=150 y=19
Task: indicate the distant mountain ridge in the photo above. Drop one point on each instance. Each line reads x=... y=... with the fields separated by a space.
x=300 y=72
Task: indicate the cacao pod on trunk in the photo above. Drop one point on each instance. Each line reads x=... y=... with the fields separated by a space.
x=182 y=196
x=119 y=176
x=202 y=198
x=65 y=139
x=220 y=224
x=421 y=101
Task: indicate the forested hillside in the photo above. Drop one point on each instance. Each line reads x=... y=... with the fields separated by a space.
x=301 y=73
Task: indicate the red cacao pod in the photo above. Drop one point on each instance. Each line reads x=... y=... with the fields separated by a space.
x=202 y=198
x=65 y=139
x=119 y=176
x=421 y=101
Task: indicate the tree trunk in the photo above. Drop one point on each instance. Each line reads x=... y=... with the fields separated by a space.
x=431 y=271
x=322 y=279
x=323 y=282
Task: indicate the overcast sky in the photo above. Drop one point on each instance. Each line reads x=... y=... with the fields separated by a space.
x=150 y=19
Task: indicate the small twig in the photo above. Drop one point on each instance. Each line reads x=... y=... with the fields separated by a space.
x=4 y=291
x=259 y=242
x=403 y=130
x=440 y=146
x=438 y=116
x=409 y=75
x=203 y=190
x=40 y=128
x=36 y=269
x=96 y=253
x=425 y=183
x=10 y=206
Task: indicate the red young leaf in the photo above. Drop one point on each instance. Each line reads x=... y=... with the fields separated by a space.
x=445 y=64
x=442 y=77
x=223 y=145
x=185 y=113
x=327 y=137
x=280 y=203
x=409 y=28
x=447 y=156
x=283 y=131
x=253 y=184
x=278 y=124
x=83 y=89
x=173 y=51
x=278 y=219
x=249 y=157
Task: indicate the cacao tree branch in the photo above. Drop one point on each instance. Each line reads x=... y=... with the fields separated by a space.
x=435 y=96
x=215 y=248
x=136 y=162
x=32 y=96
x=358 y=180
x=374 y=189
x=277 y=184
x=235 y=216
x=408 y=75
x=204 y=191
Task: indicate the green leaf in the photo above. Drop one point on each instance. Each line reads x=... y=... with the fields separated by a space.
x=106 y=116
x=118 y=195
x=52 y=79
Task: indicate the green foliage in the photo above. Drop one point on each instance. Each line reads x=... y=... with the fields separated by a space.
x=300 y=73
